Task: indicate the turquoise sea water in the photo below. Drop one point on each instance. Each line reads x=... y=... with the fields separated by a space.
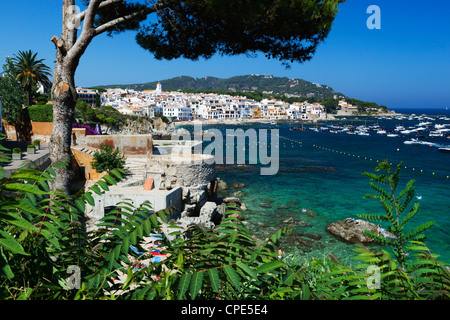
x=320 y=181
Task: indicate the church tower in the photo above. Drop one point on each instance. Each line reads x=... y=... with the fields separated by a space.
x=158 y=88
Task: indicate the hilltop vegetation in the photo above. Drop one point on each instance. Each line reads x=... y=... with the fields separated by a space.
x=246 y=83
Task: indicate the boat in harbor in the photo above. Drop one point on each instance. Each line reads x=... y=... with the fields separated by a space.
x=444 y=149
x=412 y=141
x=392 y=135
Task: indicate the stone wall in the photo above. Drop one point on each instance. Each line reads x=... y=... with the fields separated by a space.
x=178 y=170
x=39 y=130
x=195 y=174
x=83 y=159
x=127 y=144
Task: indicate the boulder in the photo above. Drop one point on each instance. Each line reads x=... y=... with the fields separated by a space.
x=210 y=212
x=234 y=200
x=352 y=231
x=222 y=185
x=238 y=185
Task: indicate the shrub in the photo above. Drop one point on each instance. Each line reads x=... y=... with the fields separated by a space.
x=106 y=159
x=41 y=113
x=17 y=150
x=398 y=211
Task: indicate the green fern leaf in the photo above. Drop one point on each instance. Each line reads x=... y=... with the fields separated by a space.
x=10 y=244
x=268 y=266
x=232 y=276
x=196 y=284
x=247 y=269
x=183 y=284
x=214 y=279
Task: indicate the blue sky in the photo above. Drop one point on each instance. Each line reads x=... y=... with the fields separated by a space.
x=404 y=64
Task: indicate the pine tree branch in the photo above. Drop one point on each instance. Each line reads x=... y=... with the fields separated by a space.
x=104 y=4
x=138 y=14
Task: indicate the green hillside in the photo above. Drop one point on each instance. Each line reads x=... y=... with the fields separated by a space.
x=261 y=83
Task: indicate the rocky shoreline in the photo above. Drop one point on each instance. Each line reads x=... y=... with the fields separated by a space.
x=349 y=230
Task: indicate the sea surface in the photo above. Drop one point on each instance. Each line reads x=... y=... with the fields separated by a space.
x=320 y=181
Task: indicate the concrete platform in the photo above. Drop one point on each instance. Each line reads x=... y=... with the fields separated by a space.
x=40 y=160
x=136 y=195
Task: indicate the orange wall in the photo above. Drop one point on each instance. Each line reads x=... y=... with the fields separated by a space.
x=40 y=130
x=84 y=159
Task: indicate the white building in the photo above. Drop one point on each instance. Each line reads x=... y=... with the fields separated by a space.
x=87 y=95
x=178 y=113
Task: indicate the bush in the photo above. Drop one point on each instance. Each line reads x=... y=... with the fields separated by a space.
x=42 y=113
x=106 y=159
x=17 y=150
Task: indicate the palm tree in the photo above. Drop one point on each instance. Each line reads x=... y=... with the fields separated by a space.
x=29 y=71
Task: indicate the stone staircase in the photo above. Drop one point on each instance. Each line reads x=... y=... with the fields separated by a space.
x=134 y=170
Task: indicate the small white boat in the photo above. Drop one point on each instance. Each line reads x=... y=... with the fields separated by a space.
x=412 y=141
x=444 y=149
x=363 y=134
x=392 y=135
x=381 y=131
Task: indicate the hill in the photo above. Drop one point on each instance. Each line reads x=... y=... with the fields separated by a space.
x=246 y=83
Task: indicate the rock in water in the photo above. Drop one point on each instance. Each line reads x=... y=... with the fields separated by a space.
x=222 y=185
x=209 y=212
x=352 y=231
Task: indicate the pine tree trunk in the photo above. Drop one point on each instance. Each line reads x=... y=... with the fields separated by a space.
x=64 y=100
x=64 y=95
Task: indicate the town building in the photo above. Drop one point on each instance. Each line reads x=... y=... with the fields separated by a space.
x=87 y=95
